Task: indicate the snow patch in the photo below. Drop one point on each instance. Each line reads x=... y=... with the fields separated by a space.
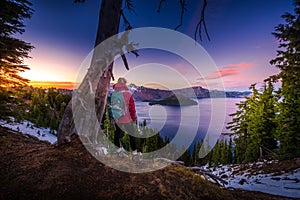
x=27 y=127
x=283 y=184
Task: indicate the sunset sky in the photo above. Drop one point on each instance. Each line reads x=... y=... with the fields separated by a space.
x=241 y=45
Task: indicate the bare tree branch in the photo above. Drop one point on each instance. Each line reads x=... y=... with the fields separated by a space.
x=126 y=22
x=129 y=6
x=176 y=163
x=200 y=23
x=128 y=27
x=159 y=6
x=183 y=9
x=125 y=61
x=110 y=70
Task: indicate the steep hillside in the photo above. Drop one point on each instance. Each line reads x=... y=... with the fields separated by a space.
x=31 y=169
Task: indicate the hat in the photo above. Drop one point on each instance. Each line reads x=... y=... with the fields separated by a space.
x=122 y=80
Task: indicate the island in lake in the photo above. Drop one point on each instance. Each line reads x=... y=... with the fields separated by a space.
x=175 y=100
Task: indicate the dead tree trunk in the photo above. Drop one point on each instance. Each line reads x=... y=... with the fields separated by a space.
x=108 y=25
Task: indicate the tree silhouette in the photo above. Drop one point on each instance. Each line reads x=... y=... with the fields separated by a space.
x=288 y=61
x=13 y=50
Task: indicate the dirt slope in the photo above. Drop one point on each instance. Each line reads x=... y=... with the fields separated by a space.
x=31 y=169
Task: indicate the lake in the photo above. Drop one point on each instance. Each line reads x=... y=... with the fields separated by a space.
x=189 y=122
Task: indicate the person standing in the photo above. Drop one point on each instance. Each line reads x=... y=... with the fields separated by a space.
x=125 y=122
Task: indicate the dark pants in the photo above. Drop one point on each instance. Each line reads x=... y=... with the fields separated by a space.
x=119 y=133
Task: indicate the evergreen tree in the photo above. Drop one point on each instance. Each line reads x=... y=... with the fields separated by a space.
x=287 y=60
x=13 y=50
x=262 y=125
x=5 y=100
x=215 y=155
x=224 y=151
x=267 y=125
x=243 y=127
x=186 y=156
x=12 y=53
x=230 y=151
x=254 y=124
x=108 y=130
x=221 y=154
x=194 y=154
x=44 y=109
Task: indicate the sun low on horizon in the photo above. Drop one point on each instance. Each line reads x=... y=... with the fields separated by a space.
x=46 y=78
x=49 y=70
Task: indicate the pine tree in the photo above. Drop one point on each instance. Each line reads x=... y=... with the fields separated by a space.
x=267 y=124
x=151 y=143
x=5 y=100
x=194 y=154
x=108 y=130
x=224 y=151
x=215 y=155
x=287 y=60
x=12 y=53
x=262 y=125
x=254 y=124
x=186 y=156
x=243 y=126
x=13 y=50
x=43 y=109
x=230 y=152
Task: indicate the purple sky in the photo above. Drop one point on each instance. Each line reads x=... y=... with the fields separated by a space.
x=241 y=45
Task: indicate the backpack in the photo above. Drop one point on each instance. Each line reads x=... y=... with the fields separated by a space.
x=116 y=106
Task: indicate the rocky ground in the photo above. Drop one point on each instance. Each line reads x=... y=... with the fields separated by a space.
x=32 y=169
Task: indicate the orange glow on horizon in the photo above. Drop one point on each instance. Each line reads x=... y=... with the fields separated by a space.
x=49 y=84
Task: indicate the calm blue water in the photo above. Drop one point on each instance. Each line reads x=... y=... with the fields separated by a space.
x=191 y=122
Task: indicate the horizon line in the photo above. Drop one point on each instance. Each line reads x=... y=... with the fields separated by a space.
x=73 y=85
x=55 y=84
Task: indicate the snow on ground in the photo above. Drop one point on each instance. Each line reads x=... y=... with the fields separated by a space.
x=283 y=183
x=29 y=128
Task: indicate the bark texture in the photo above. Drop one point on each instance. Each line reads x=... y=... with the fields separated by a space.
x=108 y=25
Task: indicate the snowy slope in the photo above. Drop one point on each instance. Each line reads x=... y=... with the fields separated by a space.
x=283 y=183
x=27 y=127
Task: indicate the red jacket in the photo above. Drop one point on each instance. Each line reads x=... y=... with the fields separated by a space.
x=129 y=104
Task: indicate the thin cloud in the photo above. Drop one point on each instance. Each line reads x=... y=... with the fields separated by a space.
x=238 y=65
x=227 y=70
x=223 y=73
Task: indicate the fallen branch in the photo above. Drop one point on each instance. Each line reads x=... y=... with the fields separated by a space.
x=176 y=163
x=212 y=176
